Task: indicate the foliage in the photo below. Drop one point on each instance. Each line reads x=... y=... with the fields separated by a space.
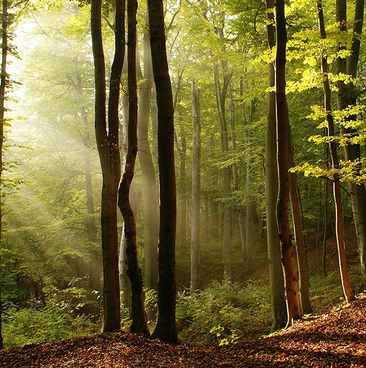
x=223 y=313
x=61 y=317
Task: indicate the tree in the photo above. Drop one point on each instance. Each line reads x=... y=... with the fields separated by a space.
x=278 y=303
x=347 y=290
x=139 y=322
x=108 y=149
x=165 y=328
x=346 y=99
x=3 y=84
x=150 y=197
x=299 y=237
x=221 y=94
x=283 y=141
x=196 y=187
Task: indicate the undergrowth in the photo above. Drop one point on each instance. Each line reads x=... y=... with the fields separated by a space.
x=61 y=317
x=223 y=313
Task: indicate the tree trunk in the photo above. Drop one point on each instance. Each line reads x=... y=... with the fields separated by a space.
x=288 y=260
x=108 y=149
x=138 y=315
x=124 y=281
x=239 y=207
x=150 y=198
x=249 y=207
x=182 y=186
x=347 y=290
x=326 y=227
x=278 y=302
x=299 y=237
x=3 y=83
x=220 y=101
x=346 y=96
x=196 y=188
x=165 y=329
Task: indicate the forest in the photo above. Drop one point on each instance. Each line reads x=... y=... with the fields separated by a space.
x=189 y=170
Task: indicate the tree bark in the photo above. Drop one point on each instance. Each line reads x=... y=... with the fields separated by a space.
x=108 y=149
x=196 y=188
x=299 y=237
x=239 y=207
x=278 y=302
x=107 y=144
x=3 y=84
x=283 y=141
x=165 y=329
x=220 y=102
x=150 y=198
x=249 y=207
x=138 y=315
x=346 y=96
x=347 y=290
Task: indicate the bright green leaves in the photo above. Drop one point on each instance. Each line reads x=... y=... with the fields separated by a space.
x=350 y=171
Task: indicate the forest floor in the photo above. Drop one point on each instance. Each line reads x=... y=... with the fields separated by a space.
x=336 y=339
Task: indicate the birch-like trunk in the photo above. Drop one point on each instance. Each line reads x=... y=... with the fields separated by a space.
x=347 y=290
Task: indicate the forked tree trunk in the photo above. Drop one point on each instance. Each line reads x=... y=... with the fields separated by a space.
x=196 y=189
x=108 y=149
x=347 y=290
x=165 y=329
x=288 y=260
x=278 y=302
x=138 y=315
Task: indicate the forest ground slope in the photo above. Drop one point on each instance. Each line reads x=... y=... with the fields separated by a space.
x=336 y=339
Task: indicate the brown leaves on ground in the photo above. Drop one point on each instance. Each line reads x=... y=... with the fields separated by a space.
x=337 y=339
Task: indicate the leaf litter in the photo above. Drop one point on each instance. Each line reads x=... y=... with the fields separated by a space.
x=336 y=339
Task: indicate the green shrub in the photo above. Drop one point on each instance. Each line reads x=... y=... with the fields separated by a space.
x=223 y=313
x=59 y=319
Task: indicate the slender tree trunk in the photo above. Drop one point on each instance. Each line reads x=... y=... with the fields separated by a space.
x=220 y=101
x=182 y=186
x=299 y=237
x=3 y=83
x=326 y=229
x=165 y=328
x=150 y=198
x=124 y=281
x=249 y=207
x=347 y=290
x=239 y=207
x=346 y=96
x=196 y=188
x=283 y=141
x=278 y=302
